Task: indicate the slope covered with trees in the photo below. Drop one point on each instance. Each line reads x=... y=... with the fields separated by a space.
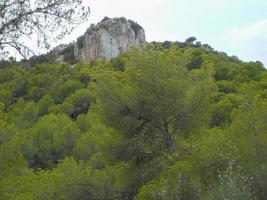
x=162 y=122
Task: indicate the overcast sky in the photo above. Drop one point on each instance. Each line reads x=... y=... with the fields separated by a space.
x=237 y=27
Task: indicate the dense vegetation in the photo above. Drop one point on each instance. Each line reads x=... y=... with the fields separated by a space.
x=161 y=122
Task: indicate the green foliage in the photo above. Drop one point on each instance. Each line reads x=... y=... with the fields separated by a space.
x=192 y=58
x=161 y=97
x=100 y=145
x=223 y=108
x=51 y=139
x=6 y=97
x=65 y=90
x=179 y=182
x=167 y=121
x=80 y=101
x=231 y=185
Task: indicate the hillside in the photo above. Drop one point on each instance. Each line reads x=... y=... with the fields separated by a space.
x=165 y=121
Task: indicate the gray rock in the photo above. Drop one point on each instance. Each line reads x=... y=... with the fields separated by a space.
x=108 y=39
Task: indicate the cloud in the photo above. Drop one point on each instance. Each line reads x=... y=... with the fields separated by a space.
x=250 y=42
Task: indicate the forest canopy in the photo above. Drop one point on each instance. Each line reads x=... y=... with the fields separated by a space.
x=159 y=122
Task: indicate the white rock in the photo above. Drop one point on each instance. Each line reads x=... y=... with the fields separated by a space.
x=108 y=39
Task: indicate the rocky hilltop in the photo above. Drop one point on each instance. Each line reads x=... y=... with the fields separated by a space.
x=108 y=39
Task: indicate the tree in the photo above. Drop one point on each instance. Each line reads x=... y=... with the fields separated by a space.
x=64 y=90
x=150 y=124
x=179 y=182
x=190 y=40
x=155 y=101
x=51 y=139
x=80 y=100
x=24 y=18
x=231 y=185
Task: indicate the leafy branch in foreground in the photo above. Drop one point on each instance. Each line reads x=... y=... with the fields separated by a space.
x=22 y=19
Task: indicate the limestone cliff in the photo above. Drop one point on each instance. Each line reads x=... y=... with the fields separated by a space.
x=108 y=39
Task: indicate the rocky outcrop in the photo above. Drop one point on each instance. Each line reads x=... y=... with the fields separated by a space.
x=108 y=39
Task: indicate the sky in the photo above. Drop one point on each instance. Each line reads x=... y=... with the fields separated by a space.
x=237 y=27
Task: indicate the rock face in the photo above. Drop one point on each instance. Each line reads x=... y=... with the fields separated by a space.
x=108 y=39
